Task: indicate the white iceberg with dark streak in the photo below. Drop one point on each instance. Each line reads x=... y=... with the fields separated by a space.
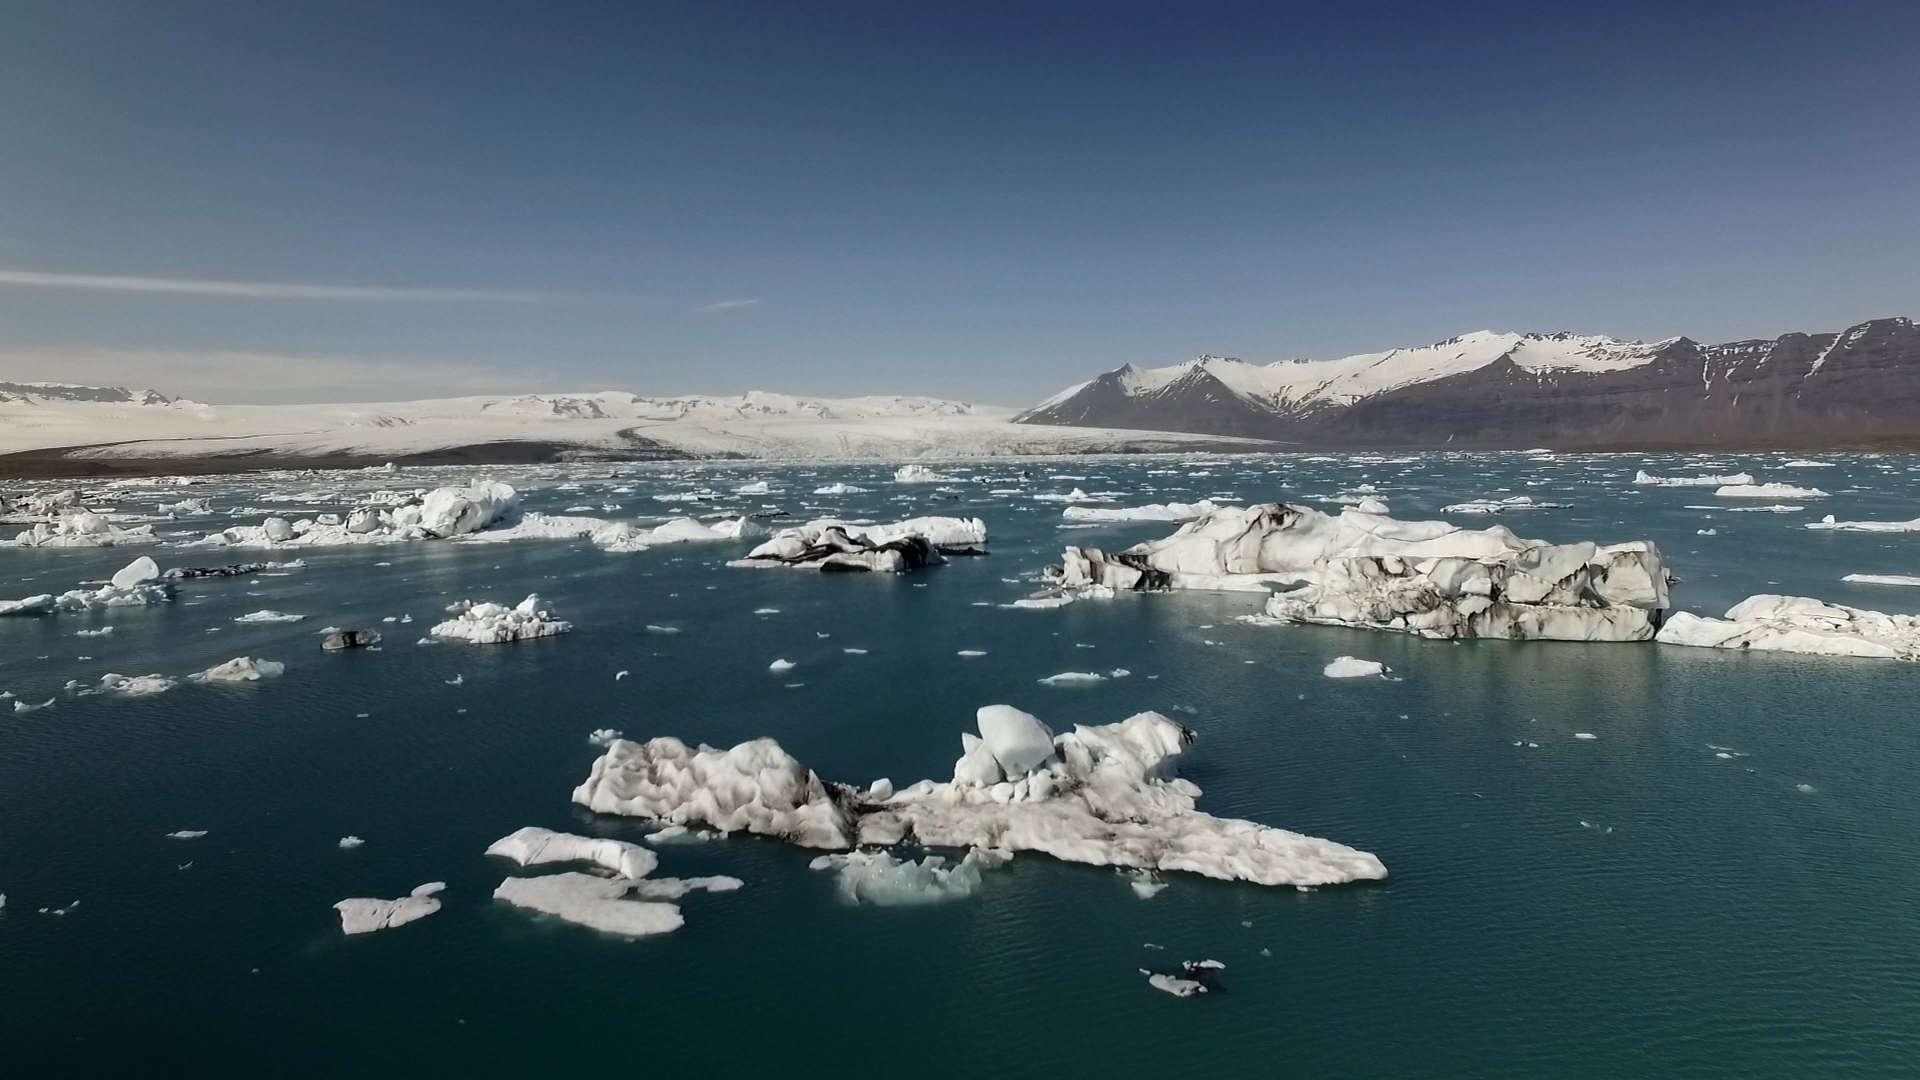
x=1103 y=794
x=829 y=544
x=483 y=623
x=1799 y=624
x=1430 y=578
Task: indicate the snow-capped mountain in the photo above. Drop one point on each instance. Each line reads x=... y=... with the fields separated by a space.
x=1486 y=389
x=40 y=393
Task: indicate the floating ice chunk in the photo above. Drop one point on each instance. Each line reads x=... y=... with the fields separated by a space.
x=1768 y=491
x=337 y=640
x=532 y=846
x=758 y=487
x=875 y=877
x=971 y=653
x=781 y=666
x=1192 y=981
x=140 y=571
x=1040 y=603
x=1882 y=579
x=1805 y=789
x=23 y=707
x=362 y=915
x=268 y=616
x=42 y=604
x=653 y=628
x=446 y=512
x=104 y=631
x=1068 y=678
x=481 y=623
x=920 y=474
x=1586 y=735
x=1102 y=795
x=604 y=904
x=348 y=843
x=241 y=669
x=1730 y=479
x=1149 y=512
x=1372 y=505
x=133 y=685
x=1500 y=506
x=840 y=489
x=756 y=786
x=1865 y=526
x=1800 y=624
x=1348 y=667
x=828 y=544
x=186 y=834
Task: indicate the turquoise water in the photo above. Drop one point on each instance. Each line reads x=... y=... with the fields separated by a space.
x=1710 y=918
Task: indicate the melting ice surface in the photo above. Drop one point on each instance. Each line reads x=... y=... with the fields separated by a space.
x=1462 y=773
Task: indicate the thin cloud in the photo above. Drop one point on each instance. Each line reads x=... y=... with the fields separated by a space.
x=263 y=290
x=725 y=305
x=228 y=376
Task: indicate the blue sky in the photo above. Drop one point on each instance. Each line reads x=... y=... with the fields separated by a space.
x=976 y=200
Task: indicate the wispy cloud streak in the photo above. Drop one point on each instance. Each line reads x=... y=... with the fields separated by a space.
x=725 y=305
x=263 y=290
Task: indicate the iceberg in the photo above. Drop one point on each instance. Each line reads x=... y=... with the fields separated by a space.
x=363 y=915
x=1149 y=512
x=1799 y=624
x=1430 y=578
x=1496 y=506
x=265 y=615
x=830 y=545
x=532 y=846
x=840 y=489
x=482 y=623
x=920 y=474
x=877 y=878
x=1882 y=579
x=241 y=669
x=1828 y=523
x=1349 y=667
x=604 y=904
x=131 y=685
x=1103 y=795
x=1768 y=491
x=1643 y=477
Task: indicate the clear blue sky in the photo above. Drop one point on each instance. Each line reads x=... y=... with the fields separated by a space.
x=975 y=199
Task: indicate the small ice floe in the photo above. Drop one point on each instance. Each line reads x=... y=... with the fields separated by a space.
x=268 y=616
x=60 y=911
x=1073 y=678
x=840 y=489
x=23 y=707
x=1768 y=491
x=1145 y=883
x=1585 y=735
x=186 y=834
x=1500 y=506
x=130 y=685
x=102 y=632
x=920 y=474
x=875 y=877
x=493 y=624
x=340 y=640
x=971 y=653
x=348 y=843
x=854 y=652
x=766 y=611
x=781 y=666
x=629 y=903
x=1828 y=523
x=1196 y=977
x=1349 y=667
x=1606 y=830
x=758 y=487
x=1882 y=579
x=457 y=680
x=241 y=669
x=1729 y=480
x=1706 y=532
x=654 y=628
x=363 y=915
x=621 y=674
x=532 y=846
x=1040 y=603
x=1805 y=789
x=602 y=736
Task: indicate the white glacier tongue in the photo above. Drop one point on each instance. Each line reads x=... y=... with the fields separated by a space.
x=363 y=915
x=1799 y=624
x=829 y=544
x=482 y=623
x=1101 y=794
x=1430 y=578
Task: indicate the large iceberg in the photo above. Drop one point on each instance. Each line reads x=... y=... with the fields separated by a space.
x=1149 y=512
x=484 y=623
x=391 y=517
x=829 y=544
x=1643 y=477
x=1101 y=794
x=134 y=585
x=1800 y=624
x=1430 y=578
